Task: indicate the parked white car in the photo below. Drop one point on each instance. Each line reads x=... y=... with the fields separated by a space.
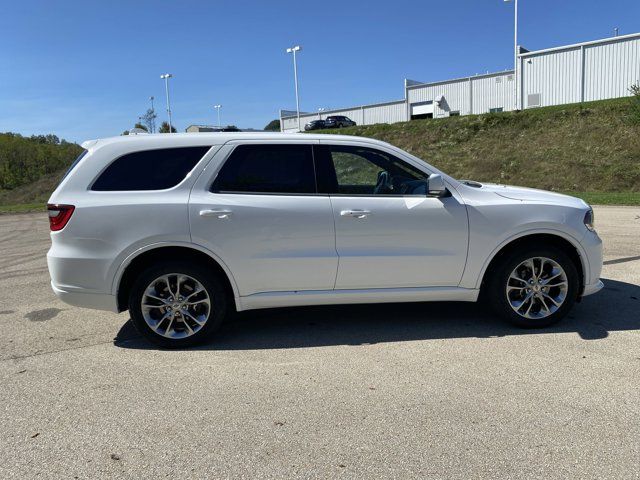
x=181 y=229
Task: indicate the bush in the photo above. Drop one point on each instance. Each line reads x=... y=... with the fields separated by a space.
x=635 y=103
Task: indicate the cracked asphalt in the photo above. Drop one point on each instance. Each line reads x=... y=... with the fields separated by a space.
x=373 y=391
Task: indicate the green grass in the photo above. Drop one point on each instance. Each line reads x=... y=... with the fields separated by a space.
x=22 y=208
x=30 y=195
x=590 y=147
x=608 y=198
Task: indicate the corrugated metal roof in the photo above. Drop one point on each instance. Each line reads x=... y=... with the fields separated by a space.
x=619 y=38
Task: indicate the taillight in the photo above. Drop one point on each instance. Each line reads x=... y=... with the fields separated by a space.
x=59 y=215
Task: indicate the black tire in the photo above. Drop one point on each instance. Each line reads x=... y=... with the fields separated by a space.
x=214 y=289
x=496 y=285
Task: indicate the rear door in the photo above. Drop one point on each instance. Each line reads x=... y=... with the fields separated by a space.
x=258 y=209
x=389 y=232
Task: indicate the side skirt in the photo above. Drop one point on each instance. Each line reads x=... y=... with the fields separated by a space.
x=337 y=297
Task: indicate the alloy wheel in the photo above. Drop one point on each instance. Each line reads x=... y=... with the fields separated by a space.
x=176 y=305
x=537 y=288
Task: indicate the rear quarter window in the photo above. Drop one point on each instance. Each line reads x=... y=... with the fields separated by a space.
x=149 y=169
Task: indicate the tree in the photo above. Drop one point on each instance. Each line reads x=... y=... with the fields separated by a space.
x=139 y=125
x=126 y=132
x=24 y=160
x=149 y=119
x=273 y=126
x=164 y=128
x=46 y=139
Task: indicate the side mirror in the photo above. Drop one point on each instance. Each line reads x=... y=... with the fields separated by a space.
x=436 y=187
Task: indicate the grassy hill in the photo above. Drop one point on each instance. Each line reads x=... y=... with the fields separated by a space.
x=30 y=168
x=590 y=150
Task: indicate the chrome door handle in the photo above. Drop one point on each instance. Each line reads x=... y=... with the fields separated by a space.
x=355 y=213
x=220 y=213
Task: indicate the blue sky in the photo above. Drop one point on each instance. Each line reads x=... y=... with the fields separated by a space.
x=86 y=69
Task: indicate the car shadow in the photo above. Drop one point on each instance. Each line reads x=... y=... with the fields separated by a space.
x=616 y=307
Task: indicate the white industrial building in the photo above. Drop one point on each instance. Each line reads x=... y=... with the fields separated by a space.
x=582 y=72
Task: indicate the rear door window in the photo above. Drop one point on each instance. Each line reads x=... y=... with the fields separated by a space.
x=149 y=169
x=275 y=169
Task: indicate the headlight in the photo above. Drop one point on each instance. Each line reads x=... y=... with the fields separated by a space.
x=589 y=220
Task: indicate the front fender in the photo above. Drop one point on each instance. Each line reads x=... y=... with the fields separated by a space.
x=472 y=278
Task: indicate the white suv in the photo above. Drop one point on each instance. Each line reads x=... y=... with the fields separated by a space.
x=181 y=229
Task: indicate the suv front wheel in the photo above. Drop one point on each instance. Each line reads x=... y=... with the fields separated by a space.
x=534 y=288
x=177 y=304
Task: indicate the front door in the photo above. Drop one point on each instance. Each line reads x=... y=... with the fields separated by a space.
x=389 y=232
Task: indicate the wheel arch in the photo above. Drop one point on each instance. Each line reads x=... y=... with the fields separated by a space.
x=143 y=258
x=567 y=244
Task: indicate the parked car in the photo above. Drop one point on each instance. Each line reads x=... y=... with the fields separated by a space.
x=229 y=128
x=182 y=229
x=315 y=125
x=338 y=121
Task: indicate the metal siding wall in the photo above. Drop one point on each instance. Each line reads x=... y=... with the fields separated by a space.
x=420 y=94
x=611 y=68
x=489 y=92
x=554 y=75
x=392 y=113
x=289 y=124
x=456 y=95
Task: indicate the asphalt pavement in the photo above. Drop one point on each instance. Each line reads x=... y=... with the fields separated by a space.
x=437 y=390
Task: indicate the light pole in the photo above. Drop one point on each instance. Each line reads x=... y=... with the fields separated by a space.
x=166 y=77
x=153 y=113
x=293 y=50
x=320 y=110
x=217 y=107
x=515 y=48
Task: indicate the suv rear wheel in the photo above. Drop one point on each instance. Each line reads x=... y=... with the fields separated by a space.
x=177 y=304
x=534 y=288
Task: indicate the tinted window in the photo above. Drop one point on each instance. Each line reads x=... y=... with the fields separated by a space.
x=149 y=169
x=268 y=169
x=367 y=171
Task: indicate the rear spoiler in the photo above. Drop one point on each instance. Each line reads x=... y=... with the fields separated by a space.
x=88 y=144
